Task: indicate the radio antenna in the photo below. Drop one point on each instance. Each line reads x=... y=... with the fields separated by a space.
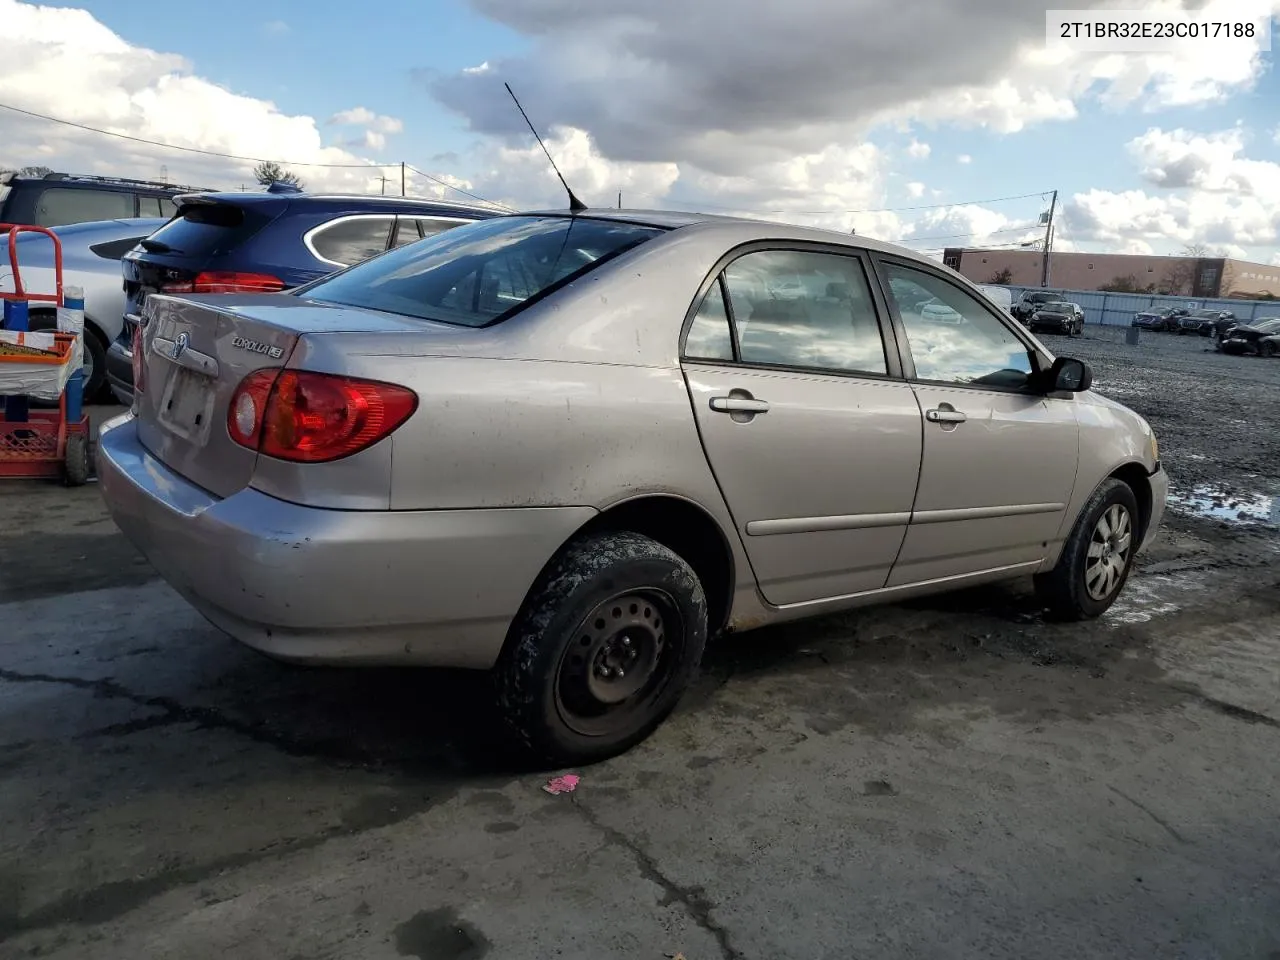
x=575 y=205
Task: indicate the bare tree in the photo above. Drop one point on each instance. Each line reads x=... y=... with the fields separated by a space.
x=1002 y=277
x=269 y=172
x=1195 y=250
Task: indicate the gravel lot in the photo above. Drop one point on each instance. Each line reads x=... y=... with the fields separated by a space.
x=948 y=778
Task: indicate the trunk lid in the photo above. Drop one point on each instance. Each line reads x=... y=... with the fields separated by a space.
x=194 y=357
x=198 y=349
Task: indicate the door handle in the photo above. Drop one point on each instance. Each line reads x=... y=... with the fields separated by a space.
x=945 y=416
x=738 y=405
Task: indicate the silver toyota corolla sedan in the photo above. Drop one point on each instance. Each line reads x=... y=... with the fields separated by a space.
x=567 y=449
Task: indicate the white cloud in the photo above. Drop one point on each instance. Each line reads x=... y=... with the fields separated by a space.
x=964 y=158
x=915 y=189
x=276 y=28
x=1275 y=260
x=364 y=117
x=64 y=63
x=1207 y=192
x=919 y=150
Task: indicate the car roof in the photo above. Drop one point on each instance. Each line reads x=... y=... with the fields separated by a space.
x=373 y=203
x=742 y=229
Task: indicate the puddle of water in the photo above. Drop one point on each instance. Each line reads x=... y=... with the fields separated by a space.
x=1231 y=507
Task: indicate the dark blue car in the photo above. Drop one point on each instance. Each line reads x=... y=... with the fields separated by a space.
x=282 y=238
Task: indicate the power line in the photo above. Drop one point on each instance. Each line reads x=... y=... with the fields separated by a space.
x=450 y=186
x=233 y=156
x=171 y=146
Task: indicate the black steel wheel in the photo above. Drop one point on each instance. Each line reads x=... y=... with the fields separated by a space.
x=603 y=648
x=1098 y=556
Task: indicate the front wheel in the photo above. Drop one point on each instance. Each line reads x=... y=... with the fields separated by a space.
x=603 y=648
x=1097 y=558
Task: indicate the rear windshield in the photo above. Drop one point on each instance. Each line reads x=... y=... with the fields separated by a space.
x=204 y=229
x=482 y=272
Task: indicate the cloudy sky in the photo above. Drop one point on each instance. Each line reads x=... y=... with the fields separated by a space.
x=885 y=116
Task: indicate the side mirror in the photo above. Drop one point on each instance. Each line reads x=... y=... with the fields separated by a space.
x=1069 y=375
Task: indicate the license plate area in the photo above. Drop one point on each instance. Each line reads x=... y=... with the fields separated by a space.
x=186 y=406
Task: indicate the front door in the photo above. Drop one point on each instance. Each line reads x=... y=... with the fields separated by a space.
x=999 y=462
x=812 y=436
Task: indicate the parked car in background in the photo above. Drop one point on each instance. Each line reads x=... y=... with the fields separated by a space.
x=1254 y=338
x=1058 y=317
x=58 y=199
x=998 y=294
x=261 y=242
x=1030 y=301
x=1269 y=346
x=1208 y=323
x=569 y=448
x=91 y=255
x=1164 y=319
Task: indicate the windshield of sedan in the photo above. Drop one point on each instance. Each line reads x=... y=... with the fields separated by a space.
x=1204 y=314
x=483 y=272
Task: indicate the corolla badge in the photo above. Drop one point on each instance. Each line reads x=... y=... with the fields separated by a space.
x=257 y=346
x=180 y=345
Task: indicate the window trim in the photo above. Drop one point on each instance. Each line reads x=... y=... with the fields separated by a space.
x=309 y=237
x=888 y=337
x=1039 y=360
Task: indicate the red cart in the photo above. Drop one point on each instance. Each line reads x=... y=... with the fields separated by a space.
x=40 y=443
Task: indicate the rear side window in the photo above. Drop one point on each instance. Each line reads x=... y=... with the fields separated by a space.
x=344 y=242
x=204 y=229
x=482 y=272
x=58 y=206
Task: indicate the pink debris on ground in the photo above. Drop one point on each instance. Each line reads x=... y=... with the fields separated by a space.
x=566 y=784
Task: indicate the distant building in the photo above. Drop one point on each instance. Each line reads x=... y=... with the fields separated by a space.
x=1201 y=277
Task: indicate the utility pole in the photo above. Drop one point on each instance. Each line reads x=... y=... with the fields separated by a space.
x=402 y=178
x=619 y=199
x=384 y=184
x=1048 y=241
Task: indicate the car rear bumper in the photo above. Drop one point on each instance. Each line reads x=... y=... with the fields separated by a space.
x=427 y=587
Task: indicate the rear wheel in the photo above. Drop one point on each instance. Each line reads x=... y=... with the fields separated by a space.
x=1097 y=557
x=1266 y=349
x=603 y=648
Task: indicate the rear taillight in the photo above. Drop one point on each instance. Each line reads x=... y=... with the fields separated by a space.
x=314 y=417
x=139 y=361
x=226 y=281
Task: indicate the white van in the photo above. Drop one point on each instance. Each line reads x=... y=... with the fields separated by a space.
x=999 y=295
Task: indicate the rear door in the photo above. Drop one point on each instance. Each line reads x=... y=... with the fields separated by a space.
x=812 y=435
x=999 y=461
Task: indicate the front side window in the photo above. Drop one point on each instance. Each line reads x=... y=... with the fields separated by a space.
x=481 y=272
x=953 y=338
x=59 y=206
x=800 y=308
x=350 y=241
